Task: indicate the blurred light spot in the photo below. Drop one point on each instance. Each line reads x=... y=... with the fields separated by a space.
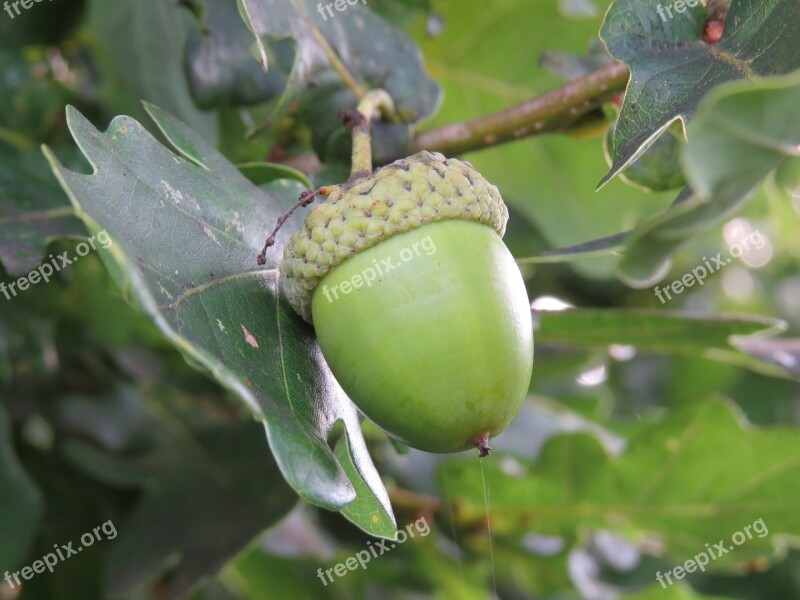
x=435 y=25
x=748 y=244
x=785 y=359
x=59 y=66
x=585 y=575
x=550 y=303
x=577 y=9
x=593 y=377
x=511 y=466
x=621 y=352
x=543 y=545
x=788 y=297
x=616 y=551
x=38 y=432
x=738 y=284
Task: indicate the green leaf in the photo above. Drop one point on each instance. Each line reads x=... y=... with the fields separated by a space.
x=220 y=66
x=33 y=211
x=596 y=248
x=677 y=591
x=571 y=66
x=21 y=503
x=658 y=168
x=265 y=172
x=143 y=43
x=742 y=132
x=671 y=484
x=374 y=52
x=207 y=495
x=758 y=125
x=364 y=510
x=401 y=12
x=33 y=95
x=663 y=332
x=45 y=26
x=672 y=68
x=185 y=241
x=257 y=573
x=783 y=353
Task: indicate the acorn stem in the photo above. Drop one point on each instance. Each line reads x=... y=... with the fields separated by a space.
x=358 y=122
x=482 y=444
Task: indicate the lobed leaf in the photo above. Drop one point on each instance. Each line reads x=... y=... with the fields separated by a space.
x=186 y=235
x=742 y=132
x=672 y=68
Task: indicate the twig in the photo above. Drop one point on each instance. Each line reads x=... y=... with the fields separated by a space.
x=552 y=112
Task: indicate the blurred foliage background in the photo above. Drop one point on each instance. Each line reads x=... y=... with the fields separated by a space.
x=650 y=430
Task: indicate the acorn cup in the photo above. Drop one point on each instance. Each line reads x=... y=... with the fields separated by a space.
x=419 y=308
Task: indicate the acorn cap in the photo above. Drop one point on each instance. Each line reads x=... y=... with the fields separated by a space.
x=406 y=194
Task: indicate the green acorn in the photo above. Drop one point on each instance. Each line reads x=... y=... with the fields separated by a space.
x=419 y=307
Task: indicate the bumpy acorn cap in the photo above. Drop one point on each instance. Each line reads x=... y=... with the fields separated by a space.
x=411 y=192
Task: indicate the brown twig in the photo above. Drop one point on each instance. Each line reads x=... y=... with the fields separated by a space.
x=552 y=112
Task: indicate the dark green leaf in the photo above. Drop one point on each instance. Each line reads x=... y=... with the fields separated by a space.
x=33 y=211
x=220 y=65
x=185 y=242
x=21 y=503
x=264 y=172
x=204 y=502
x=672 y=68
x=144 y=42
x=375 y=53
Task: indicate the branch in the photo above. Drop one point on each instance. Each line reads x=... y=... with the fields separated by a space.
x=553 y=112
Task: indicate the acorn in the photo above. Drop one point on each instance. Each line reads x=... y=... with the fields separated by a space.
x=419 y=308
